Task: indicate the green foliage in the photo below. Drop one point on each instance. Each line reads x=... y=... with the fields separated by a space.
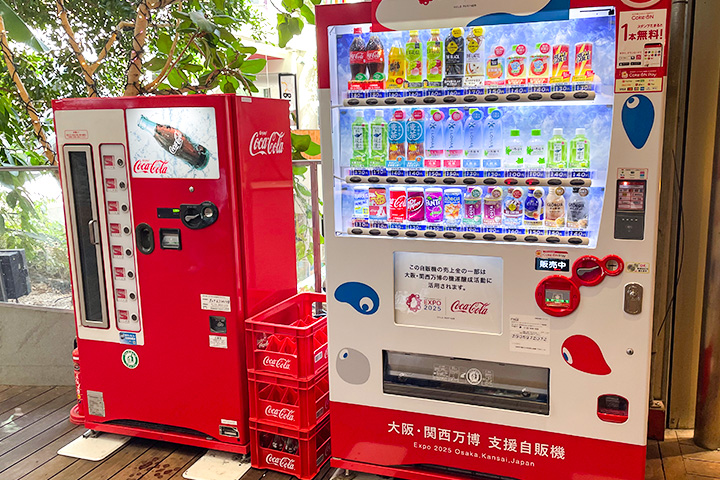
x=25 y=224
x=303 y=144
x=291 y=18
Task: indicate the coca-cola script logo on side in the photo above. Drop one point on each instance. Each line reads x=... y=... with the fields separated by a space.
x=266 y=143
x=282 y=462
x=157 y=167
x=281 y=363
x=286 y=414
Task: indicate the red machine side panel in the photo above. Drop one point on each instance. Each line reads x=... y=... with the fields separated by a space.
x=266 y=210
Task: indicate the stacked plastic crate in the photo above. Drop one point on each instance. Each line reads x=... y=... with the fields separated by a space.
x=288 y=387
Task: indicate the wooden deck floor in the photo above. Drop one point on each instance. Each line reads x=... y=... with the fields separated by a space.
x=29 y=442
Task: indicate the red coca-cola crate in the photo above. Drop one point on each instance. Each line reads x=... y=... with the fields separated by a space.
x=290 y=403
x=299 y=453
x=287 y=339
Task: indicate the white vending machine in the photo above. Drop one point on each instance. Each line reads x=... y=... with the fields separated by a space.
x=491 y=176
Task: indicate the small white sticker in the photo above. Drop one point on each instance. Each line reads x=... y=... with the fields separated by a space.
x=638 y=267
x=228 y=422
x=96 y=404
x=218 y=303
x=529 y=334
x=218 y=341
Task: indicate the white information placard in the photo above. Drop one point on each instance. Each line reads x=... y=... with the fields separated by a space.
x=459 y=292
x=529 y=334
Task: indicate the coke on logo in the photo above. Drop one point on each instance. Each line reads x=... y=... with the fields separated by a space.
x=266 y=143
x=117 y=251
x=282 y=462
x=109 y=161
x=281 y=363
x=281 y=413
x=150 y=166
x=475 y=308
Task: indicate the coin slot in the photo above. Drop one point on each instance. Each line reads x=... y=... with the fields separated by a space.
x=144 y=238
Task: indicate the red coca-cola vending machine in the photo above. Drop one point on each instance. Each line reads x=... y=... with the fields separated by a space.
x=180 y=225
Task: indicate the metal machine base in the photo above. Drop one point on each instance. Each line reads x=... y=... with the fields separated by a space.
x=94 y=446
x=215 y=465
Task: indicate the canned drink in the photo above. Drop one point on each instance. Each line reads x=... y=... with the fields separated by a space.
x=434 y=205
x=361 y=195
x=397 y=211
x=377 y=203
x=583 y=61
x=452 y=198
x=560 y=63
x=415 y=204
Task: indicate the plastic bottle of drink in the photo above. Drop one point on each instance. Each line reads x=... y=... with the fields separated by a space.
x=557 y=150
x=414 y=60
x=378 y=140
x=492 y=207
x=434 y=140
x=454 y=58
x=396 y=64
x=435 y=58
x=539 y=69
x=359 y=129
x=555 y=208
x=375 y=59
x=358 y=69
x=415 y=140
x=577 y=209
x=517 y=65
x=473 y=140
x=495 y=67
x=536 y=150
x=454 y=141
x=579 y=150
x=493 y=136
x=475 y=58
x=473 y=206
x=514 y=151
x=534 y=208
x=513 y=207
x=396 y=138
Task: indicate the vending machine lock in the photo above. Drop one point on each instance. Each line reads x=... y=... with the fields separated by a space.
x=198 y=216
x=633 y=298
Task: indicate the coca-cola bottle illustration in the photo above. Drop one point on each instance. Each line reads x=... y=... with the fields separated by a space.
x=358 y=70
x=177 y=143
x=375 y=59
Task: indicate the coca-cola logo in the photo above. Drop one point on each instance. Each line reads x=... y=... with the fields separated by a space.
x=157 y=167
x=287 y=414
x=357 y=57
x=177 y=142
x=475 y=308
x=415 y=203
x=282 y=462
x=374 y=56
x=398 y=202
x=266 y=143
x=281 y=363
